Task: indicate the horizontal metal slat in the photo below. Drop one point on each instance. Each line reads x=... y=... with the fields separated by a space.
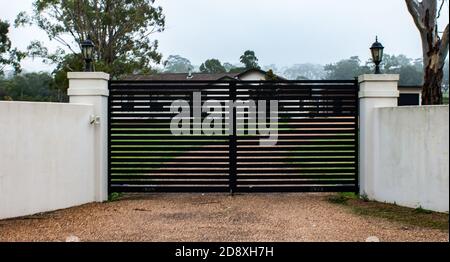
x=119 y=122
x=296 y=171
x=172 y=189
x=240 y=160
x=265 y=166
x=169 y=154
x=239 y=176
x=164 y=166
x=168 y=171
x=177 y=182
x=283 y=189
x=175 y=148
x=164 y=177
x=296 y=143
x=188 y=159
x=297 y=182
x=193 y=143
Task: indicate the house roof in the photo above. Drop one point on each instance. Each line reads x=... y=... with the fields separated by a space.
x=179 y=77
x=195 y=76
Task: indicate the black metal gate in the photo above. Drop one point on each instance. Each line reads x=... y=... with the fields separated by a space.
x=316 y=138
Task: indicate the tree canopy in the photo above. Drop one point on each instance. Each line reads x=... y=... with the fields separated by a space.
x=177 y=64
x=270 y=76
x=29 y=87
x=346 y=69
x=410 y=70
x=8 y=56
x=250 y=60
x=212 y=66
x=306 y=71
x=121 y=31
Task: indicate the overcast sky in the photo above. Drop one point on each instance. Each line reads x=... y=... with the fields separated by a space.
x=281 y=32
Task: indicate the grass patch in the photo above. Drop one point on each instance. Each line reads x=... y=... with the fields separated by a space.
x=418 y=217
x=342 y=198
x=114 y=197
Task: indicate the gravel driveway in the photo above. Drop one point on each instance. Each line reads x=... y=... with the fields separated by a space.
x=212 y=217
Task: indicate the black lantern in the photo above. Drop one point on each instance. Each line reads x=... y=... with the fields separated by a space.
x=87 y=47
x=377 y=55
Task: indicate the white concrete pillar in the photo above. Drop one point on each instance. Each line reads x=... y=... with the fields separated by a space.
x=92 y=88
x=375 y=91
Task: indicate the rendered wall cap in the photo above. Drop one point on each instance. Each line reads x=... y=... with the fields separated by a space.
x=379 y=94
x=88 y=84
x=378 y=78
x=88 y=75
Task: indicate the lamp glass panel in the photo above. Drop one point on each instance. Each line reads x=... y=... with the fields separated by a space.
x=376 y=54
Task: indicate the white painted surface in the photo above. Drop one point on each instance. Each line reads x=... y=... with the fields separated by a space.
x=404 y=151
x=92 y=88
x=46 y=157
x=253 y=76
x=412 y=164
x=375 y=91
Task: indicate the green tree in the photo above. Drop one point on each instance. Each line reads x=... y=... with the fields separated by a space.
x=270 y=76
x=212 y=66
x=3 y=95
x=229 y=67
x=308 y=71
x=177 y=64
x=409 y=70
x=29 y=87
x=346 y=69
x=120 y=30
x=237 y=70
x=8 y=56
x=70 y=63
x=409 y=76
x=250 y=60
x=392 y=62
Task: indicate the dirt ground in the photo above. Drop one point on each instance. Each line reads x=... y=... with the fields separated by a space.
x=212 y=217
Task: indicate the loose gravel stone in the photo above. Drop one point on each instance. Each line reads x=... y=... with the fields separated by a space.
x=212 y=217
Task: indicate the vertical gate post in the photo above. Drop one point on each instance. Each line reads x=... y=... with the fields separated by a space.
x=92 y=88
x=375 y=91
x=233 y=139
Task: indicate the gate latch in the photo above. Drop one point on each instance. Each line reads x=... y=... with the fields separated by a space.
x=94 y=120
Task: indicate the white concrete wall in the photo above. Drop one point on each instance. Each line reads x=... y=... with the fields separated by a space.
x=47 y=159
x=92 y=88
x=375 y=91
x=411 y=163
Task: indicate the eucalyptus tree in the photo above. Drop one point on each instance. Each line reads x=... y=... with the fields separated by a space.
x=435 y=46
x=120 y=29
x=250 y=60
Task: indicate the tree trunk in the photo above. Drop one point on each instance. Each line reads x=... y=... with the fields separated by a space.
x=432 y=86
x=435 y=48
